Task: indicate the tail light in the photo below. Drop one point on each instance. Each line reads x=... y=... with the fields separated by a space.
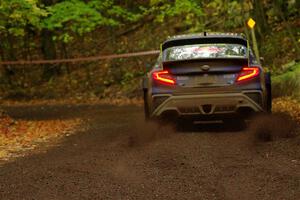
x=164 y=77
x=248 y=73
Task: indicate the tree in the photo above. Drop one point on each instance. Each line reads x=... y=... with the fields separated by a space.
x=17 y=17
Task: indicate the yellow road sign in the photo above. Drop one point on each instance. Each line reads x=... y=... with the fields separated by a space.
x=251 y=23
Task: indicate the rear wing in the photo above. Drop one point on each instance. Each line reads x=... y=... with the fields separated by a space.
x=180 y=41
x=203 y=40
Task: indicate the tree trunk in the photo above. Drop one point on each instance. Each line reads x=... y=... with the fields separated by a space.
x=280 y=9
x=260 y=16
x=48 y=49
x=49 y=53
x=7 y=53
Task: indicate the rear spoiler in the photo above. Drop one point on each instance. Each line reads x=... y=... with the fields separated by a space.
x=168 y=64
x=203 y=40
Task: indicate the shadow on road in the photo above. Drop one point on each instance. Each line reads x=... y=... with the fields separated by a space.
x=215 y=127
x=50 y=112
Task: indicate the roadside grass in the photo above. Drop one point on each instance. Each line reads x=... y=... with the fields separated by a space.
x=287 y=81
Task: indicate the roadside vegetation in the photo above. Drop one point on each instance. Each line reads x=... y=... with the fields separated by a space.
x=286 y=81
x=289 y=106
x=19 y=136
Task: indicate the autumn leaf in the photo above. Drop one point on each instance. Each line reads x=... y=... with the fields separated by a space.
x=19 y=136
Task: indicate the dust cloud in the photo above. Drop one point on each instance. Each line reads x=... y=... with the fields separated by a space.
x=261 y=128
x=266 y=128
x=145 y=132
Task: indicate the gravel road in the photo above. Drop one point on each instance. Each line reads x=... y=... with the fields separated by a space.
x=119 y=156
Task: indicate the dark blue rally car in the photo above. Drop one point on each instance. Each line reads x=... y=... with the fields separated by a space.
x=206 y=76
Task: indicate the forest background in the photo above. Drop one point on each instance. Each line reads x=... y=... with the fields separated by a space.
x=59 y=29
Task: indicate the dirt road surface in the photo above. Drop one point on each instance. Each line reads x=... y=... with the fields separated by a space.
x=119 y=156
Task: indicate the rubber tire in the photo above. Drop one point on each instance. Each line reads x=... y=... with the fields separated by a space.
x=269 y=98
x=146 y=107
x=269 y=92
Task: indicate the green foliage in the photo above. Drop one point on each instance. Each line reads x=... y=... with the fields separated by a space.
x=76 y=16
x=66 y=17
x=110 y=10
x=72 y=16
x=129 y=76
x=287 y=83
x=16 y=15
x=189 y=9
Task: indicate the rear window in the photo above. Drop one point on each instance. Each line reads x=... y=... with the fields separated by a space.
x=196 y=51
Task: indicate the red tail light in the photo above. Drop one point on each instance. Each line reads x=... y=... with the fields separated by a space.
x=248 y=73
x=164 y=77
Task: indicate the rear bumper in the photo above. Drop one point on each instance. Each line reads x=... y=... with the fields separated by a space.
x=206 y=104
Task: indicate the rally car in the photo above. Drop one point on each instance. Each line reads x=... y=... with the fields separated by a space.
x=206 y=76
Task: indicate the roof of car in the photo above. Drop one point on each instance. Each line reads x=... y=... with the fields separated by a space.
x=206 y=37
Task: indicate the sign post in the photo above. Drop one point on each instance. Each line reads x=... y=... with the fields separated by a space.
x=251 y=24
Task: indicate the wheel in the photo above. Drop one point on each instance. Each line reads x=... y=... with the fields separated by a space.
x=269 y=98
x=146 y=106
x=269 y=92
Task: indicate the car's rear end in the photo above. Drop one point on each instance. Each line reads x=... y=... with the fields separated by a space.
x=206 y=78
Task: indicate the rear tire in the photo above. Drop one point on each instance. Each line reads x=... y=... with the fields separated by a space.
x=146 y=107
x=269 y=92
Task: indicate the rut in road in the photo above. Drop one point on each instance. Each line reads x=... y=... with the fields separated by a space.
x=121 y=157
